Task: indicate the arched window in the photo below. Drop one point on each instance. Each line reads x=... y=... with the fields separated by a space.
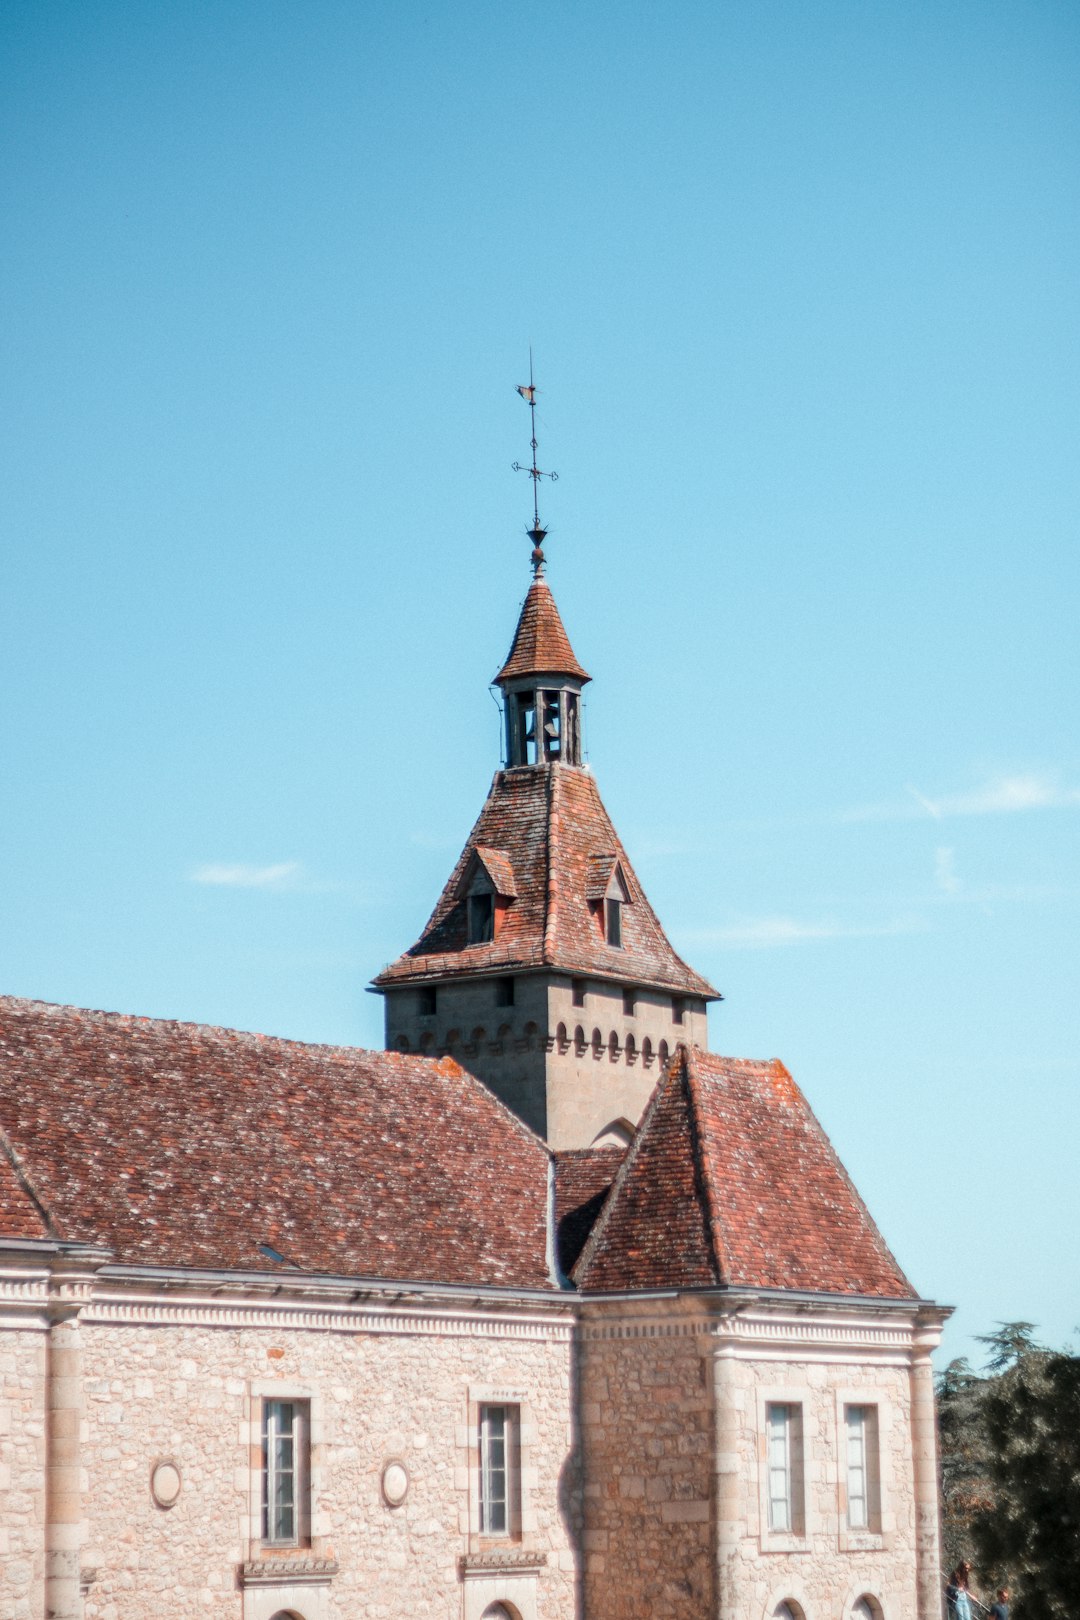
x=427 y=1041
x=613 y=1048
x=453 y=1036
x=499 y=1611
x=631 y=1049
x=664 y=1054
x=403 y=1043
x=531 y=1032
x=561 y=1040
x=647 y=1052
x=866 y=1608
x=597 y=1043
x=580 y=1042
x=788 y=1610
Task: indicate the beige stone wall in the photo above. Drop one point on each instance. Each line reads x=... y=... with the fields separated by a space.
x=825 y=1567
x=185 y=1393
x=22 y=1474
x=647 y=1451
x=567 y=1089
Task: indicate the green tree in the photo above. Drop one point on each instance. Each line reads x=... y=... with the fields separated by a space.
x=1010 y=1464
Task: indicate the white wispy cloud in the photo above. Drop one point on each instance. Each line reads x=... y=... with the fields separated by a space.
x=236 y=875
x=1001 y=795
x=764 y=932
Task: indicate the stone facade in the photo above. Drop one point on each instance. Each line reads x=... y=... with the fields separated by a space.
x=639 y=1453
x=574 y=1071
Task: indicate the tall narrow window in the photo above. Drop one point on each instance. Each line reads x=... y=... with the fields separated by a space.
x=862 y=1454
x=481 y=918
x=504 y=992
x=678 y=1009
x=525 y=730
x=577 y=992
x=284 y=1472
x=614 y=922
x=428 y=1000
x=572 y=754
x=498 y=1483
x=629 y=1003
x=783 y=1442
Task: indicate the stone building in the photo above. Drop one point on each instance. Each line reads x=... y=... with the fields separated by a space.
x=544 y=1313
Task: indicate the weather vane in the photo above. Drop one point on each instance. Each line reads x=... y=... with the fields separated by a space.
x=536 y=534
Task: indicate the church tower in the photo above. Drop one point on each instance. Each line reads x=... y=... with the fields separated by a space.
x=543 y=969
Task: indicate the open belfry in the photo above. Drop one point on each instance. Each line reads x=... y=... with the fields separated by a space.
x=544 y=1312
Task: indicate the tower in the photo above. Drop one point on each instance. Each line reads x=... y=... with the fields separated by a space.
x=543 y=969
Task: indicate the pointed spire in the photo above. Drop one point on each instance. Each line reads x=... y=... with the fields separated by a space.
x=541 y=645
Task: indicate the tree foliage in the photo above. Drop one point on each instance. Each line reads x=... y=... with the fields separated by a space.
x=1010 y=1455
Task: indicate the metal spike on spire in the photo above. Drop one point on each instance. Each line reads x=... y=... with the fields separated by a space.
x=536 y=534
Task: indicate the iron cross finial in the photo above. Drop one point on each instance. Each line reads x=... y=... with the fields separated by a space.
x=536 y=534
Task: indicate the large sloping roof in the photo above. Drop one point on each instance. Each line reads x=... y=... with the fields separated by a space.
x=183 y=1145
x=541 y=645
x=550 y=822
x=730 y=1180
x=583 y=1178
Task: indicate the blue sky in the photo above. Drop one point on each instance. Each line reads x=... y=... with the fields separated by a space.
x=802 y=286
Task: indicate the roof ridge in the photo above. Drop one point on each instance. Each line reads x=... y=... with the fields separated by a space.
x=718 y=1245
x=131 y=1022
x=551 y=898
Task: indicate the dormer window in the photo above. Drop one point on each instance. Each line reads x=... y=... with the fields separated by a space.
x=488 y=889
x=481 y=917
x=607 y=892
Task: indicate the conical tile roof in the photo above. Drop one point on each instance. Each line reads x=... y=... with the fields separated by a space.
x=541 y=645
x=549 y=825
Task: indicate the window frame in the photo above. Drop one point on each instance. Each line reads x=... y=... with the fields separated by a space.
x=268 y=1399
x=874 y=1401
x=793 y=1536
x=519 y=1517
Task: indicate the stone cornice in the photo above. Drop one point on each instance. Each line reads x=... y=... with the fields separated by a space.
x=502 y=1561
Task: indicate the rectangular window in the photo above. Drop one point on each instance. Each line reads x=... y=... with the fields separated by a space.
x=783 y=1440
x=614 y=922
x=498 y=1469
x=551 y=725
x=577 y=992
x=678 y=1009
x=285 y=1472
x=629 y=1003
x=427 y=1000
x=862 y=1462
x=504 y=992
x=481 y=918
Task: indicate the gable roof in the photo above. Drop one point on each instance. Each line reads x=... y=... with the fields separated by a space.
x=499 y=868
x=550 y=822
x=730 y=1180
x=184 y=1145
x=541 y=645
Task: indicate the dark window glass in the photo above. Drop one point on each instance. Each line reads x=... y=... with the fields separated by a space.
x=614 y=922
x=481 y=918
x=427 y=1000
x=504 y=992
x=678 y=1009
x=577 y=990
x=629 y=1003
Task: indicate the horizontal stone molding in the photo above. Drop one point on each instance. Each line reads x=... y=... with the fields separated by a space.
x=288 y=1572
x=118 y=1310
x=508 y=1561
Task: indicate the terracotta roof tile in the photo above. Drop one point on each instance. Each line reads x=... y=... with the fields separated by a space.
x=583 y=1178
x=541 y=645
x=184 y=1145
x=550 y=822
x=500 y=869
x=731 y=1180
